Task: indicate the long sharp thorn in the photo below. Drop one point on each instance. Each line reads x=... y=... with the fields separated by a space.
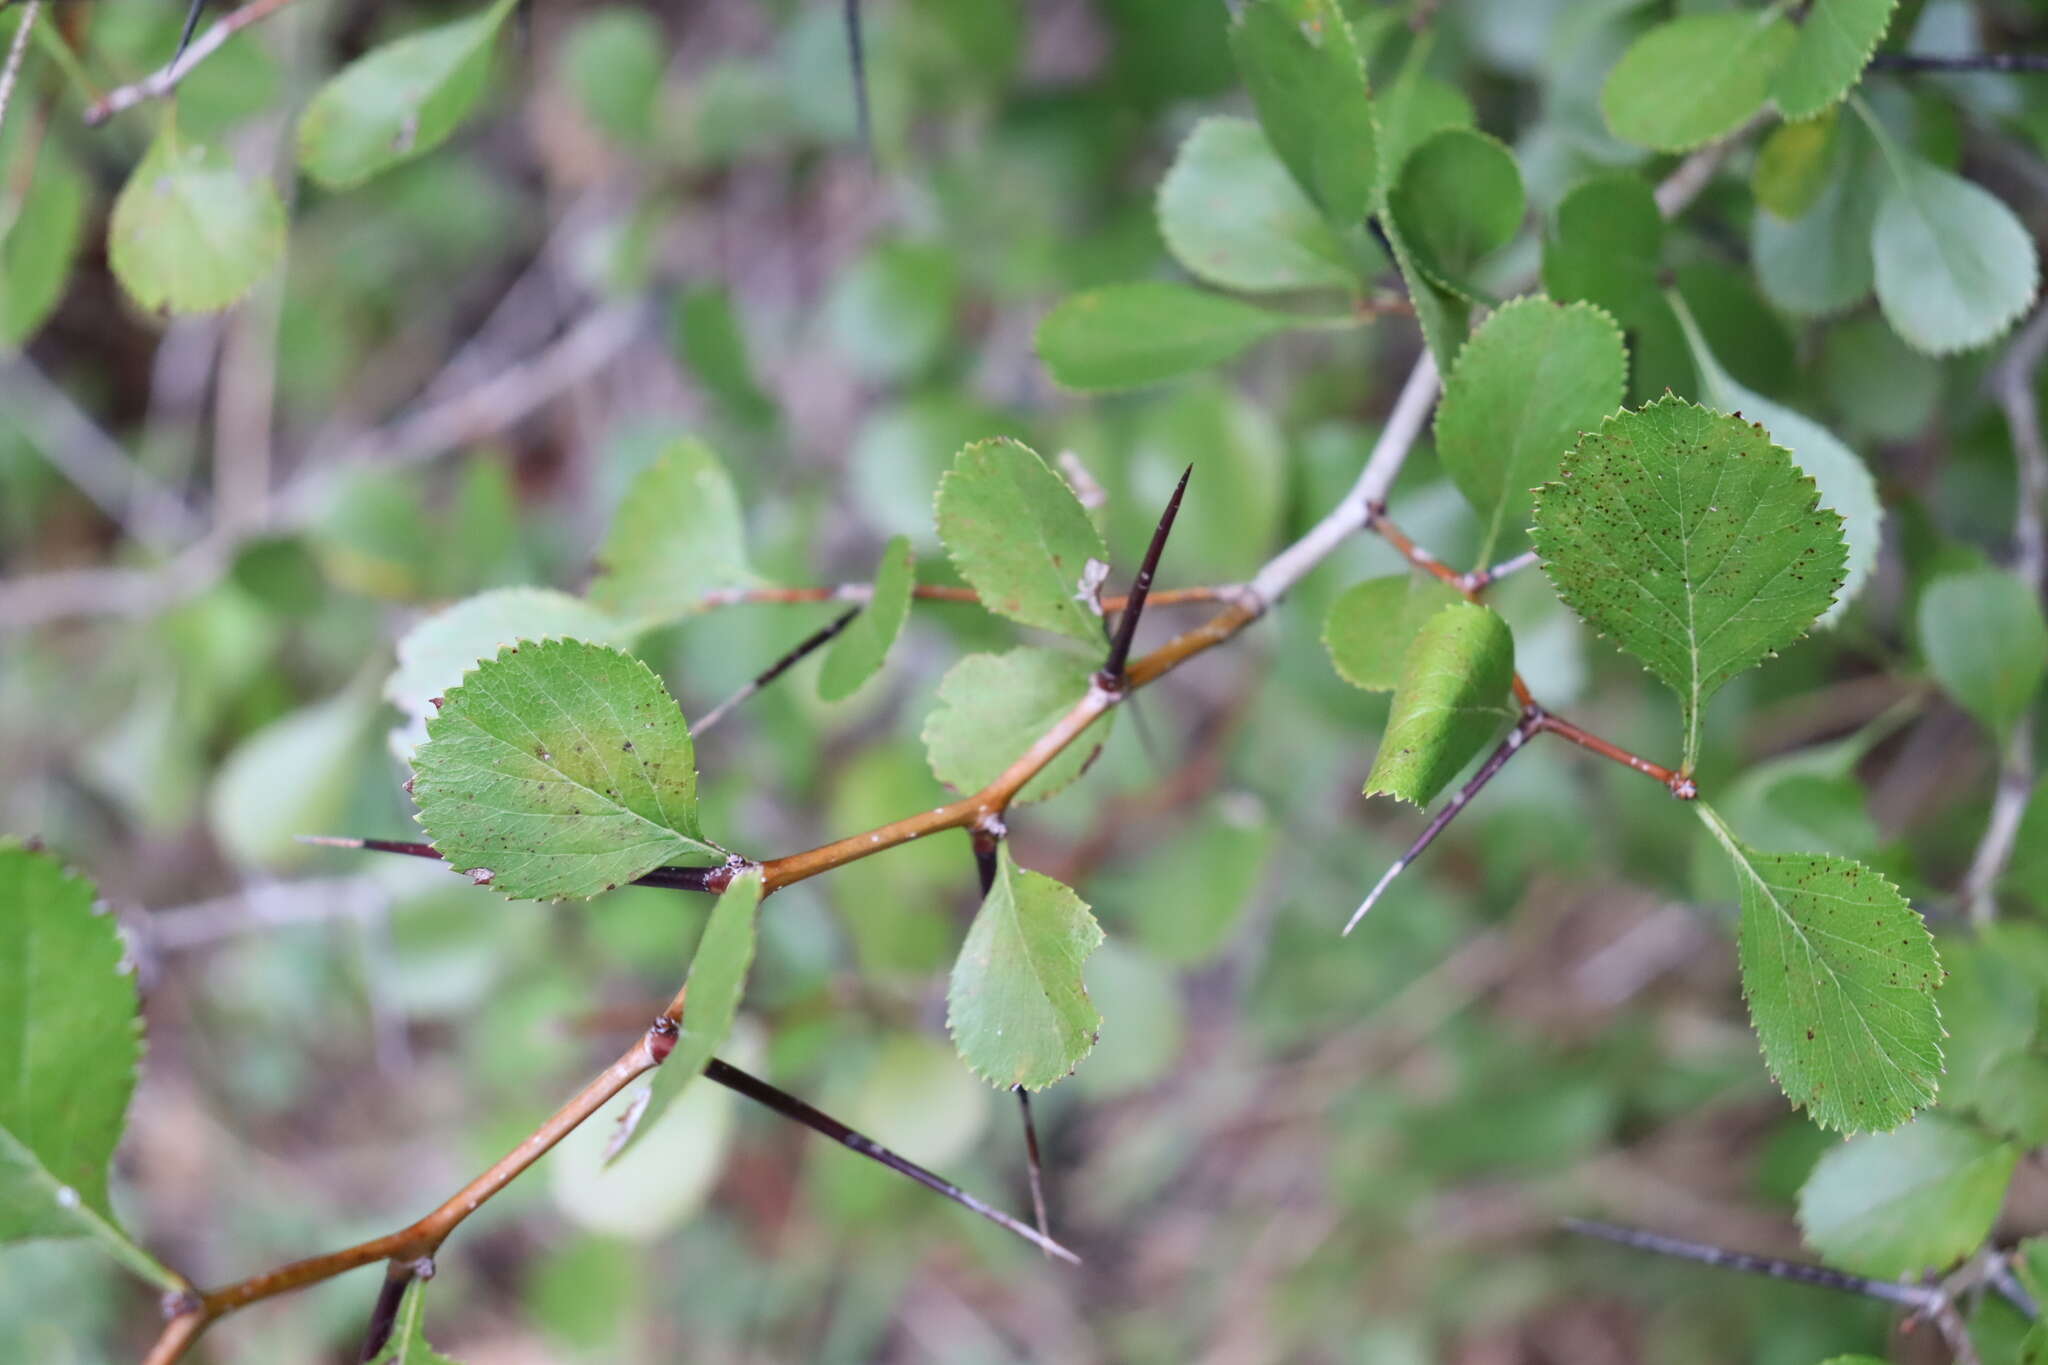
x=857 y=52
x=1495 y=761
x=1916 y=1296
x=790 y=1107
x=670 y=878
x=817 y=639
x=1134 y=604
x=1032 y=1166
x=192 y=13
x=384 y=1316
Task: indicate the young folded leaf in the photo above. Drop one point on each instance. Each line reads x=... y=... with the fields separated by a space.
x=860 y=650
x=560 y=769
x=1530 y=382
x=398 y=101
x=1693 y=542
x=1895 y=1204
x=1017 y=1008
x=1372 y=624
x=993 y=707
x=70 y=1045
x=1307 y=81
x=1452 y=702
x=1840 y=973
x=1020 y=536
x=678 y=535
x=717 y=980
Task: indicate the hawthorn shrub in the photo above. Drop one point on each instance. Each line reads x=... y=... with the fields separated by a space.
x=725 y=475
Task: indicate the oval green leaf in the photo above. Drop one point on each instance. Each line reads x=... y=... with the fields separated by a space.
x=1232 y=215
x=1692 y=542
x=1458 y=199
x=1986 y=644
x=993 y=707
x=560 y=769
x=1836 y=39
x=188 y=233
x=677 y=536
x=1895 y=1204
x=860 y=650
x=1307 y=81
x=1372 y=624
x=1017 y=1008
x=398 y=101
x=1955 y=267
x=1128 y=335
x=1453 y=700
x=1696 y=78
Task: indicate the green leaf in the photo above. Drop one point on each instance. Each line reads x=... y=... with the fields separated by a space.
x=1307 y=81
x=1693 y=542
x=70 y=1045
x=561 y=769
x=1128 y=335
x=993 y=707
x=858 y=653
x=717 y=981
x=1836 y=39
x=1457 y=200
x=1607 y=248
x=408 y=1342
x=433 y=655
x=1696 y=78
x=1444 y=314
x=292 y=777
x=1792 y=167
x=1229 y=527
x=1453 y=700
x=188 y=234
x=1017 y=1009
x=891 y=312
x=1846 y=487
x=1019 y=535
x=1820 y=262
x=613 y=59
x=39 y=245
x=1372 y=624
x=1894 y=1204
x=1533 y=378
x=1840 y=975
x=678 y=535
x=1232 y=215
x=711 y=343
x=2029 y=869
x=1955 y=267
x=1416 y=105
x=1986 y=644
x=398 y=101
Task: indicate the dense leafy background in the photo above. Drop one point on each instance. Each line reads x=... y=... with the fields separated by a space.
x=1282 y=1147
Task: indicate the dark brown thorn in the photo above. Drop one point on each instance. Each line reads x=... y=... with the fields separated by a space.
x=816 y=640
x=1032 y=1166
x=192 y=13
x=713 y=879
x=857 y=53
x=1920 y=1297
x=398 y=1277
x=790 y=1107
x=1112 y=674
x=1529 y=724
x=985 y=844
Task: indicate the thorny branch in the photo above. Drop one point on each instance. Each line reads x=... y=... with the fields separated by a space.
x=165 y=79
x=981 y=813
